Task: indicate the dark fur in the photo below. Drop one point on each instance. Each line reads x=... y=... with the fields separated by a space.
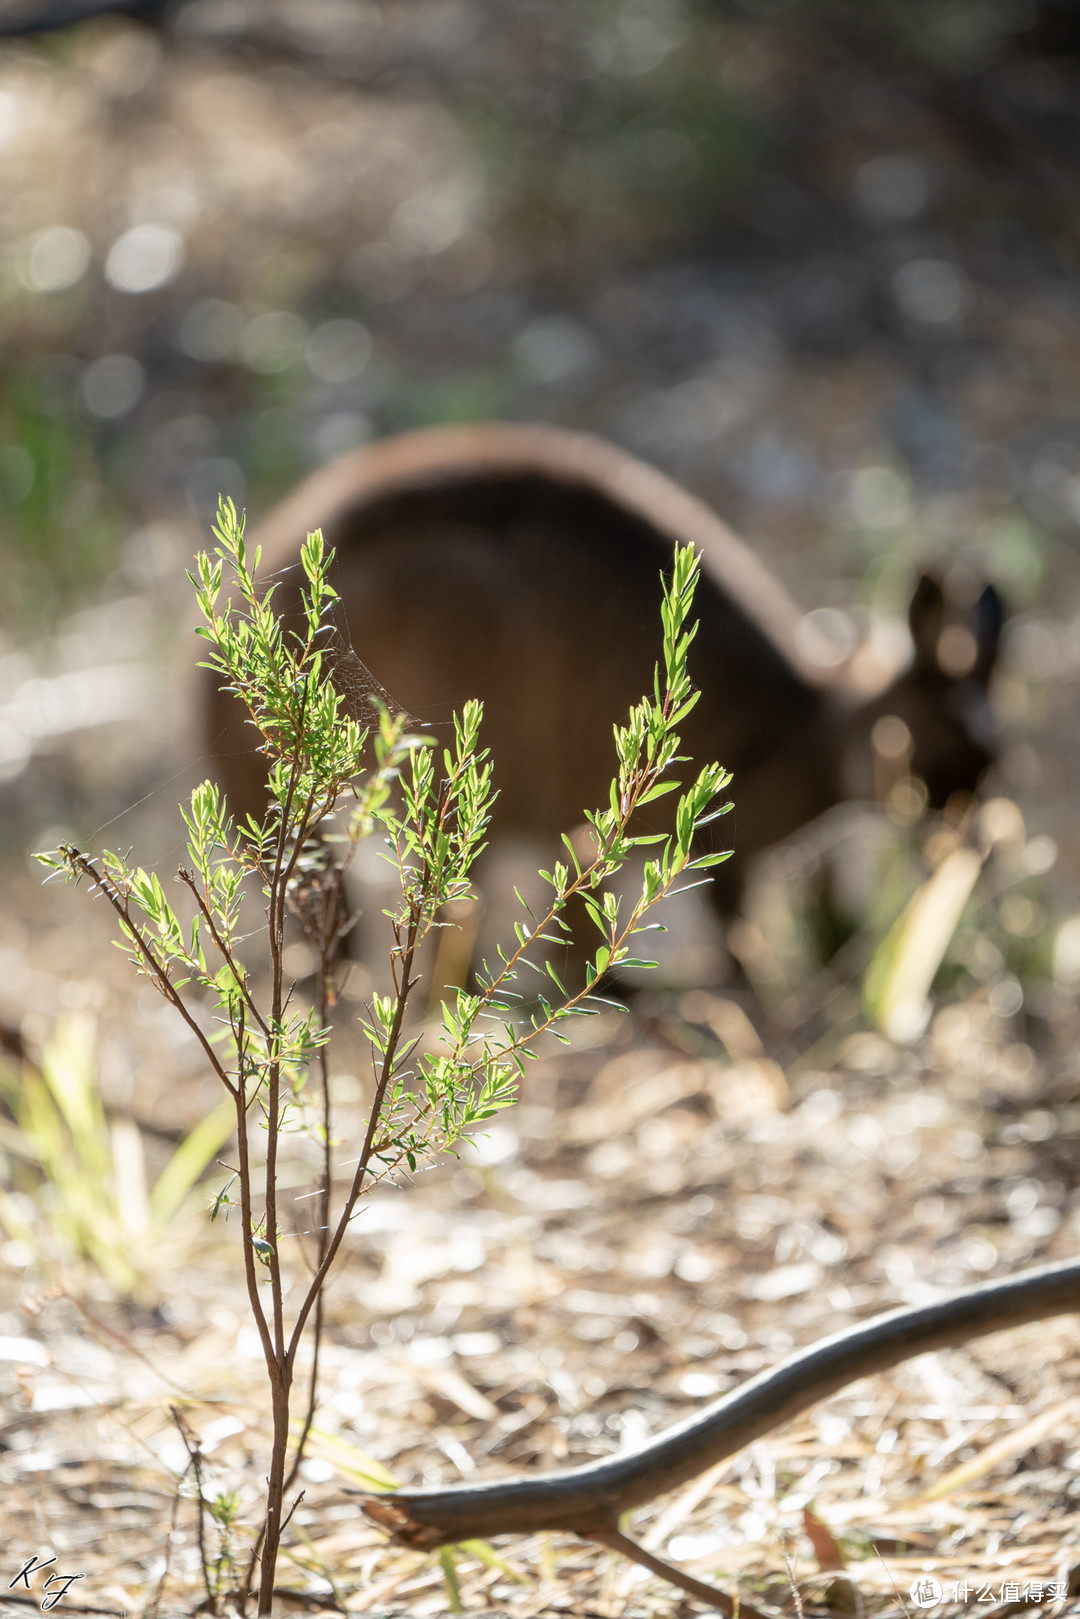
x=521 y=566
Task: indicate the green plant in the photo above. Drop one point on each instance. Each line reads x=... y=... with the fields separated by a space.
x=97 y=1200
x=295 y=681
x=224 y=1510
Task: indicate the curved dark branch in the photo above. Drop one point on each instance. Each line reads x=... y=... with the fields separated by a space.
x=584 y=1500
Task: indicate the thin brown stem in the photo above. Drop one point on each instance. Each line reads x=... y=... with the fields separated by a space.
x=280 y=1386
x=710 y=1594
x=309 y=819
x=313 y=1396
x=194 y=1450
x=618 y=940
x=279 y=1370
x=128 y=1346
x=154 y=968
x=246 y=1217
x=280 y=1365
x=243 y=1596
x=639 y=782
x=323 y=1234
x=239 y=976
x=170 y=1541
x=293 y=1508
x=275 y=917
x=404 y=985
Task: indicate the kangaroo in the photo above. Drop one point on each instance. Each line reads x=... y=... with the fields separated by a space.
x=521 y=565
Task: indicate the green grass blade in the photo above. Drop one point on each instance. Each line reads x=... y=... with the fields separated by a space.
x=450 y=1579
x=897 y=985
x=351 y=1462
x=199 y=1148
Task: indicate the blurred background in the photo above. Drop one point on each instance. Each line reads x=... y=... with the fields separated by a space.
x=816 y=260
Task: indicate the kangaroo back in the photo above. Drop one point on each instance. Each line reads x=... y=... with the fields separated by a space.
x=522 y=566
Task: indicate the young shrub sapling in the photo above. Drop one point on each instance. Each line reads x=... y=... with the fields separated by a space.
x=328 y=751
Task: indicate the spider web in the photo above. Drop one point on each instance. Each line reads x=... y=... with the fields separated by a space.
x=362 y=694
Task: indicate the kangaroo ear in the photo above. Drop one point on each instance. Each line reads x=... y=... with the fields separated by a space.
x=926 y=620
x=989 y=621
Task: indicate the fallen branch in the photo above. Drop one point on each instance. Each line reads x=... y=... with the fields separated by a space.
x=589 y=1500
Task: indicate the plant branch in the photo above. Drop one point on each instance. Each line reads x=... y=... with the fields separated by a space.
x=155 y=970
x=239 y=976
x=323 y=1235
x=246 y=1220
x=637 y=784
x=385 y=1075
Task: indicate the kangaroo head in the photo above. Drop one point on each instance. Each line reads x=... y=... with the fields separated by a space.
x=936 y=717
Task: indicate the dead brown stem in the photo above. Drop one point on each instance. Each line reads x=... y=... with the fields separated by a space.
x=193 y=1447
x=701 y=1589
